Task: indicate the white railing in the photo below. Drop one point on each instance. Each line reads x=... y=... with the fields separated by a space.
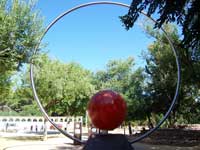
x=36 y=124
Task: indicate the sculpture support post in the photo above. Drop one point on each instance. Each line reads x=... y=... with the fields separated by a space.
x=108 y=142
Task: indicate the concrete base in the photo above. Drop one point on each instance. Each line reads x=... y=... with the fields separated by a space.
x=108 y=142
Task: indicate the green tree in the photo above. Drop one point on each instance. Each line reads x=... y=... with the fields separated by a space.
x=22 y=100
x=135 y=96
x=64 y=89
x=5 y=88
x=161 y=71
x=185 y=13
x=20 y=29
x=121 y=77
x=115 y=76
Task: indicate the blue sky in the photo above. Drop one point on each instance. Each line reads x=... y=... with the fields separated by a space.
x=91 y=36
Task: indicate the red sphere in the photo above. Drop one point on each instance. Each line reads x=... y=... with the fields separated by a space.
x=107 y=110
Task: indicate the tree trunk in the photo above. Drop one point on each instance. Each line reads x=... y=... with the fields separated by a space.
x=129 y=128
x=150 y=124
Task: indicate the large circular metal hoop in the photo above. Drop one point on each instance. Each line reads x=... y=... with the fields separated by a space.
x=108 y=3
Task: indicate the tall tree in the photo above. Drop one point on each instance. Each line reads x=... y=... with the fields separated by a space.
x=20 y=29
x=64 y=89
x=185 y=13
x=161 y=70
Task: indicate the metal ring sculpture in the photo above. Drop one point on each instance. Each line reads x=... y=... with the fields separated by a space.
x=108 y=3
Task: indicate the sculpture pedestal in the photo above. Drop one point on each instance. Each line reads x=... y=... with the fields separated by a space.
x=108 y=142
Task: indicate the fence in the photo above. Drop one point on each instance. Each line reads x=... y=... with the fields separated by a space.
x=36 y=124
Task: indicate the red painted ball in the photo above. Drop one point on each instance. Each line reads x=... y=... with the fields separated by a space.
x=107 y=110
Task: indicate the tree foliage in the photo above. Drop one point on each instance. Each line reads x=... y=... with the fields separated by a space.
x=116 y=76
x=162 y=77
x=22 y=100
x=121 y=77
x=185 y=13
x=20 y=29
x=64 y=89
x=5 y=87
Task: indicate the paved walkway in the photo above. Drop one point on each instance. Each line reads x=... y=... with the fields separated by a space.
x=67 y=146
x=63 y=143
x=59 y=143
